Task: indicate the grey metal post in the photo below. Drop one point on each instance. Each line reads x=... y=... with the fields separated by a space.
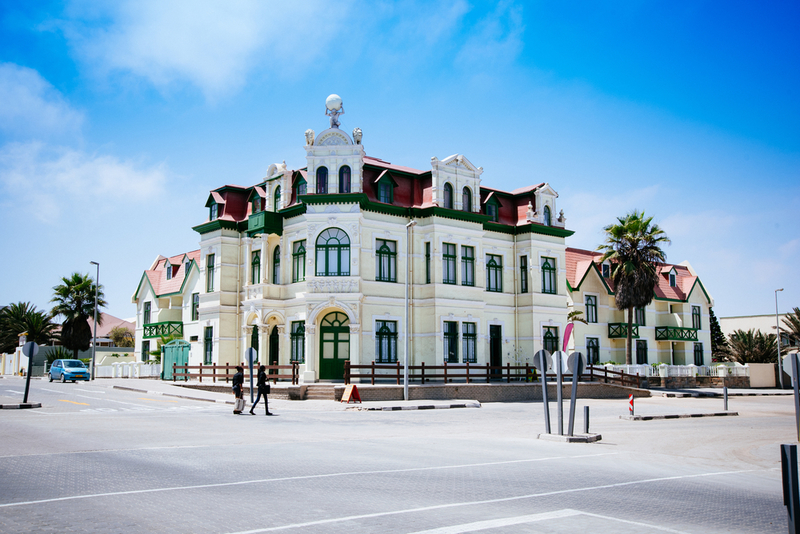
x=790 y=485
x=559 y=393
x=796 y=393
x=585 y=419
x=94 y=335
x=725 y=398
x=410 y=225
x=577 y=369
x=778 y=334
x=543 y=368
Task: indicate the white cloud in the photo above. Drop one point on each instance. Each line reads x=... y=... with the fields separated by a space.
x=31 y=106
x=47 y=182
x=211 y=44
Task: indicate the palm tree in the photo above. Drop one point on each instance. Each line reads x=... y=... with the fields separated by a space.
x=633 y=247
x=792 y=328
x=74 y=301
x=23 y=317
x=752 y=346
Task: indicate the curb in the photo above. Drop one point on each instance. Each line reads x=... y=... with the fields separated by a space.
x=414 y=407
x=719 y=395
x=173 y=395
x=577 y=438
x=21 y=406
x=676 y=416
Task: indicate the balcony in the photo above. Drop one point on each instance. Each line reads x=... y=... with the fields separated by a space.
x=620 y=330
x=166 y=329
x=265 y=222
x=675 y=333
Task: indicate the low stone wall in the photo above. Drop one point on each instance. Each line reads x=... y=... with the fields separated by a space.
x=492 y=392
x=683 y=382
x=276 y=392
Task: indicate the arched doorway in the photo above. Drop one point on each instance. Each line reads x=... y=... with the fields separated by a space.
x=334 y=346
x=273 y=348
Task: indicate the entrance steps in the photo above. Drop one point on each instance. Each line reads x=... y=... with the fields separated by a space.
x=320 y=392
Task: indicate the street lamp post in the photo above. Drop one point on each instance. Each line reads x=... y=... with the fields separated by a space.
x=410 y=225
x=94 y=335
x=778 y=334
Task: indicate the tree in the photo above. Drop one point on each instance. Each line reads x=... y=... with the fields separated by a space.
x=74 y=301
x=23 y=317
x=791 y=328
x=753 y=347
x=720 y=351
x=633 y=246
x=121 y=336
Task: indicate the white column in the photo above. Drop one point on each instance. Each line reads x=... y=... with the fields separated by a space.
x=310 y=374
x=247 y=265
x=263 y=258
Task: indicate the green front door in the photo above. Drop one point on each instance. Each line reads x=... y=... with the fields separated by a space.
x=175 y=352
x=334 y=347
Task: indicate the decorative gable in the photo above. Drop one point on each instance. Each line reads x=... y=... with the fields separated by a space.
x=459 y=172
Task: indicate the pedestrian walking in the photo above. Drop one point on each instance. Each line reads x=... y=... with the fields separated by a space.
x=263 y=390
x=238 y=390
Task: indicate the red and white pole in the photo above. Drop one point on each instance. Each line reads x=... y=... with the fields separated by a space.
x=630 y=403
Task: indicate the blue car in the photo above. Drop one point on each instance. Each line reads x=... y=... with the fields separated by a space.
x=68 y=370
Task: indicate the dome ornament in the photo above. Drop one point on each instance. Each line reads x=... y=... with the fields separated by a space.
x=333 y=108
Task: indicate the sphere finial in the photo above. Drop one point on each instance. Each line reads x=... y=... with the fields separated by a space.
x=334 y=108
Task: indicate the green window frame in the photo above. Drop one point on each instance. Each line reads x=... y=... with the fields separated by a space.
x=549 y=276
x=146 y=313
x=302 y=187
x=386 y=260
x=673 y=282
x=640 y=317
x=469 y=342
x=276 y=265
x=492 y=211
x=523 y=274
x=550 y=341
x=344 y=179
x=333 y=253
x=428 y=262
x=385 y=341
x=322 y=181
x=696 y=318
x=210 y=273
x=698 y=354
x=385 y=191
x=591 y=308
x=299 y=261
x=448 y=263
x=494 y=273
x=145 y=351
x=277 y=200
x=208 y=345
x=255 y=267
x=467 y=265
x=195 y=306
x=450 y=341
x=448 y=196
x=593 y=350
x=213 y=211
x=298 y=341
x=641 y=351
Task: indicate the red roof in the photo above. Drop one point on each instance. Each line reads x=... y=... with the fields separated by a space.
x=386 y=165
x=109 y=322
x=158 y=274
x=580 y=261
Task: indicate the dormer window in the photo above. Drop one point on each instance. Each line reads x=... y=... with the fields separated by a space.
x=547 y=220
x=606 y=270
x=385 y=192
x=673 y=282
x=491 y=211
x=277 y=198
x=448 y=196
x=168 y=268
x=186 y=270
x=212 y=212
x=256 y=204
x=466 y=199
x=302 y=187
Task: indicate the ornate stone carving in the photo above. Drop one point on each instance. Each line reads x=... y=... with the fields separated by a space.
x=333 y=285
x=309 y=137
x=530 y=215
x=332 y=221
x=357 y=135
x=333 y=138
x=354 y=328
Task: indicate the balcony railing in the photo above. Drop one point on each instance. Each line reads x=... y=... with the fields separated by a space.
x=620 y=330
x=675 y=333
x=166 y=329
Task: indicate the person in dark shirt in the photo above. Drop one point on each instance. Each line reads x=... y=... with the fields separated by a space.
x=238 y=390
x=263 y=390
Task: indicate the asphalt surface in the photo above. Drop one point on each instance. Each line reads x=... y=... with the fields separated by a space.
x=99 y=459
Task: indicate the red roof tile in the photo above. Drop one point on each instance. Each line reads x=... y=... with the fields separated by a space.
x=158 y=275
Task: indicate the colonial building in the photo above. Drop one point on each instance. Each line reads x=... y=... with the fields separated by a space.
x=338 y=260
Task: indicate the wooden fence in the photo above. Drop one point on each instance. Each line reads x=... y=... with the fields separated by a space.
x=225 y=372
x=472 y=372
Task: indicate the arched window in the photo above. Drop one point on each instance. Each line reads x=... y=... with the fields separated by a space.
x=448 y=196
x=276 y=265
x=322 y=181
x=277 y=198
x=466 y=199
x=547 y=216
x=344 y=179
x=333 y=253
x=255 y=267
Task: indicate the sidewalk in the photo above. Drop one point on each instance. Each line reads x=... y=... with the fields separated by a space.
x=717 y=392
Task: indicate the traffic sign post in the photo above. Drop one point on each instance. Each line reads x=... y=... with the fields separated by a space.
x=251 y=354
x=30 y=349
x=542 y=362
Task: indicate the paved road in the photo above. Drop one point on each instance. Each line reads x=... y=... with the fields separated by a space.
x=97 y=459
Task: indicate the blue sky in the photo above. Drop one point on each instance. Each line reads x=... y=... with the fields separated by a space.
x=116 y=121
